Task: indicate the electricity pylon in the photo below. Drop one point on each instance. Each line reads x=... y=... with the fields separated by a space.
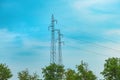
x=59 y=47
x=53 y=47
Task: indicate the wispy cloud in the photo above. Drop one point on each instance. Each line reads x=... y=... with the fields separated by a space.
x=10 y=39
x=98 y=4
x=95 y=10
x=7 y=37
x=113 y=32
x=20 y=48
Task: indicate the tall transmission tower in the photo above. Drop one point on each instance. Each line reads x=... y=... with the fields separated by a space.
x=59 y=47
x=53 y=47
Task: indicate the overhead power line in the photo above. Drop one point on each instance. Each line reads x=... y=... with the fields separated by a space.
x=99 y=45
x=103 y=38
x=93 y=52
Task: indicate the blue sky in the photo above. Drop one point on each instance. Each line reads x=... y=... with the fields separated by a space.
x=91 y=31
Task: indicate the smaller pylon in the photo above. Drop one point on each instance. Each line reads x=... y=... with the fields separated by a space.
x=59 y=47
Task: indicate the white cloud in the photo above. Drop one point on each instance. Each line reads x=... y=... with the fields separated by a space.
x=32 y=43
x=6 y=38
x=95 y=10
x=13 y=44
x=6 y=35
x=113 y=32
x=86 y=4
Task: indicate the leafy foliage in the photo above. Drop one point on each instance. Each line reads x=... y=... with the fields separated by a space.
x=24 y=75
x=70 y=75
x=5 y=72
x=53 y=72
x=84 y=73
x=112 y=69
x=57 y=72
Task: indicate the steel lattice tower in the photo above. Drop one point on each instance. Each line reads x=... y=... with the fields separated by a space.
x=59 y=47
x=53 y=47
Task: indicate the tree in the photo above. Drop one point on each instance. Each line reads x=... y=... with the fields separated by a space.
x=84 y=73
x=34 y=77
x=111 y=69
x=24 y=75
x=53 y=72
x=5 y=72
x=70 y=74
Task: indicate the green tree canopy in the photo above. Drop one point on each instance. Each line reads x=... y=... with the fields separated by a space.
x=111 y=69
x=70 y=75
x=83 y=72
x=24 y=75
x=53 y=72
x=5 y=72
